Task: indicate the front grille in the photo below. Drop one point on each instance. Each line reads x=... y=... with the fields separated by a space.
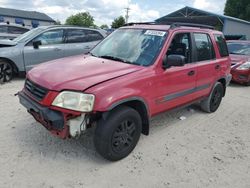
x=35 y=90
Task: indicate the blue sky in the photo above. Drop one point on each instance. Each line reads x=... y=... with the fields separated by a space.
x=104 y=11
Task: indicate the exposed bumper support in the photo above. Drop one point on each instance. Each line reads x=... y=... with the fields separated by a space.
x=52 y=120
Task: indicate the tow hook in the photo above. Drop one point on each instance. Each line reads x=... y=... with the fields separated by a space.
x=77 y=125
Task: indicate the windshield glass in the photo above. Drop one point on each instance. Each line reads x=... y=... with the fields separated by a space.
x=26 y=36
x=239 y=48
x=134 y=46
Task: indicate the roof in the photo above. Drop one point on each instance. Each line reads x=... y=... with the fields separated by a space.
x=25 y=14
x=197 y=16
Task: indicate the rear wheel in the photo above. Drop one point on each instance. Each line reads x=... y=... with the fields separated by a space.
x=117 y=135
x=212 y=103
x=6 y=71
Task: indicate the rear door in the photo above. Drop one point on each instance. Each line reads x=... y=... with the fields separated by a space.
x=208 y=68
x=52 y=47
x=80 y=41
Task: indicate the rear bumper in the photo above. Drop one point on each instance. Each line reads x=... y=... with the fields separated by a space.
x=52 y=120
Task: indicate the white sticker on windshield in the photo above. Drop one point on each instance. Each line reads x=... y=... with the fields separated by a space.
x=155 y=33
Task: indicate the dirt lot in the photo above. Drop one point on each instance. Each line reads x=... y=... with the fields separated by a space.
x=204 y=150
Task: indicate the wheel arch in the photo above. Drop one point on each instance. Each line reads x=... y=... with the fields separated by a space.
x=15 y=69
x=138 y=104
x=224 y=83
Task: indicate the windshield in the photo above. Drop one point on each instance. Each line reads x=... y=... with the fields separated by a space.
x=134 y=46
x=239 y=48
x=26 y=36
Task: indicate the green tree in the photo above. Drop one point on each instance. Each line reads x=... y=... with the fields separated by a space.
x=118 y=22
x=104 y=26
x=81 y=19
x=238 y=8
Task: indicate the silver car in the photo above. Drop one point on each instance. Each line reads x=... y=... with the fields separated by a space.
x=11 y=31
x=44 y=44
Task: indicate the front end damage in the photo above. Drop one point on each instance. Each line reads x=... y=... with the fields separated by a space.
x=64 y=124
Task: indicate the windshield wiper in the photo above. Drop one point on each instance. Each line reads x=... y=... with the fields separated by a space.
x=115 y=58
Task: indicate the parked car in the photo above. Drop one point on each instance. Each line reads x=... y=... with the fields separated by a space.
x=11 y=31
x=240 y=55
x=135 y=73
x=42 y=44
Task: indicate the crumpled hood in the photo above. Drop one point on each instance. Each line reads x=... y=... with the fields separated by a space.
x=6 y=43
x=239 y=59
x=78 y=72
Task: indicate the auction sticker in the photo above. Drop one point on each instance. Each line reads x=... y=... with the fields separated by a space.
x=155 y=33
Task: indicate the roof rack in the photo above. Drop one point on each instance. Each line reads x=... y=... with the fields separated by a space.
x=139 y=23
x=172 y=24
x=179 y=24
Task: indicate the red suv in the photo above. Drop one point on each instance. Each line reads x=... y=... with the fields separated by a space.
x=135 y=73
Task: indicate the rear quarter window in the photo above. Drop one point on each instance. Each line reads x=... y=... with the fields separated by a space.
x=222 y=45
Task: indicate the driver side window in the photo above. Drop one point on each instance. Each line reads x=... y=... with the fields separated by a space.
x=50 y=37
x=181 y=45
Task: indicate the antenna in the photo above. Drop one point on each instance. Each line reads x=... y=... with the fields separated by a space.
x=127 y=16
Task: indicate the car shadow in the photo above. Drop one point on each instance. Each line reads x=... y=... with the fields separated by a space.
x=236 y=85
x=34 y=138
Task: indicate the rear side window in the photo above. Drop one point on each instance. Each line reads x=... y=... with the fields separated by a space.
x=204 y=47
x=221 y=43
x=94 y=35
x=76 y=36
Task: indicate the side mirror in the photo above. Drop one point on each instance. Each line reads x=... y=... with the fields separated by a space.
x=37 y=43
x=173 y=61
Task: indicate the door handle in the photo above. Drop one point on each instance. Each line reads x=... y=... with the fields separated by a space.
x=57 y=49
x=217 y=67
x=191 y=73
x=87 y=47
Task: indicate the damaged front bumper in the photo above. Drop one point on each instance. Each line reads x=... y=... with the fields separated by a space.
x=58 y=123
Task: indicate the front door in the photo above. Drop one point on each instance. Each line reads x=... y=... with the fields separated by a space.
x=175 y=86
x=51 y=47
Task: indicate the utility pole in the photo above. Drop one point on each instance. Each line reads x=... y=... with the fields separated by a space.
x=127 y=16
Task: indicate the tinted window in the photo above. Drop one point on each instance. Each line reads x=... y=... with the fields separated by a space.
x=51 y=37
x=181 y=45
x=17 y=30
x=76 y=35
x=3 y=29
x=239 y=48
x=93 y=35
x=221 y=43
x=204 y=47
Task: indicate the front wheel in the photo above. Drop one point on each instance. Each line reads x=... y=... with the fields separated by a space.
x=117 y=135
x=6 y=71
x=212 y=103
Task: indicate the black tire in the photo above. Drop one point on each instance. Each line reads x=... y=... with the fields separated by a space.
x=212 y=103
x=6 y=71
x=117 y=135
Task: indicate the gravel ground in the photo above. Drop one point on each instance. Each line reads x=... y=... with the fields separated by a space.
x=204 y=150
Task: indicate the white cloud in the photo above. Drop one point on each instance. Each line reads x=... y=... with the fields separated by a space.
x=210 y=5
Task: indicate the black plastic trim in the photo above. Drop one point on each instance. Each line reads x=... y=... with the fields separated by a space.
x=55 y=118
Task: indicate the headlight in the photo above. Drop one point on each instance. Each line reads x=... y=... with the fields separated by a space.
x=75 y=101
x=244 y=66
